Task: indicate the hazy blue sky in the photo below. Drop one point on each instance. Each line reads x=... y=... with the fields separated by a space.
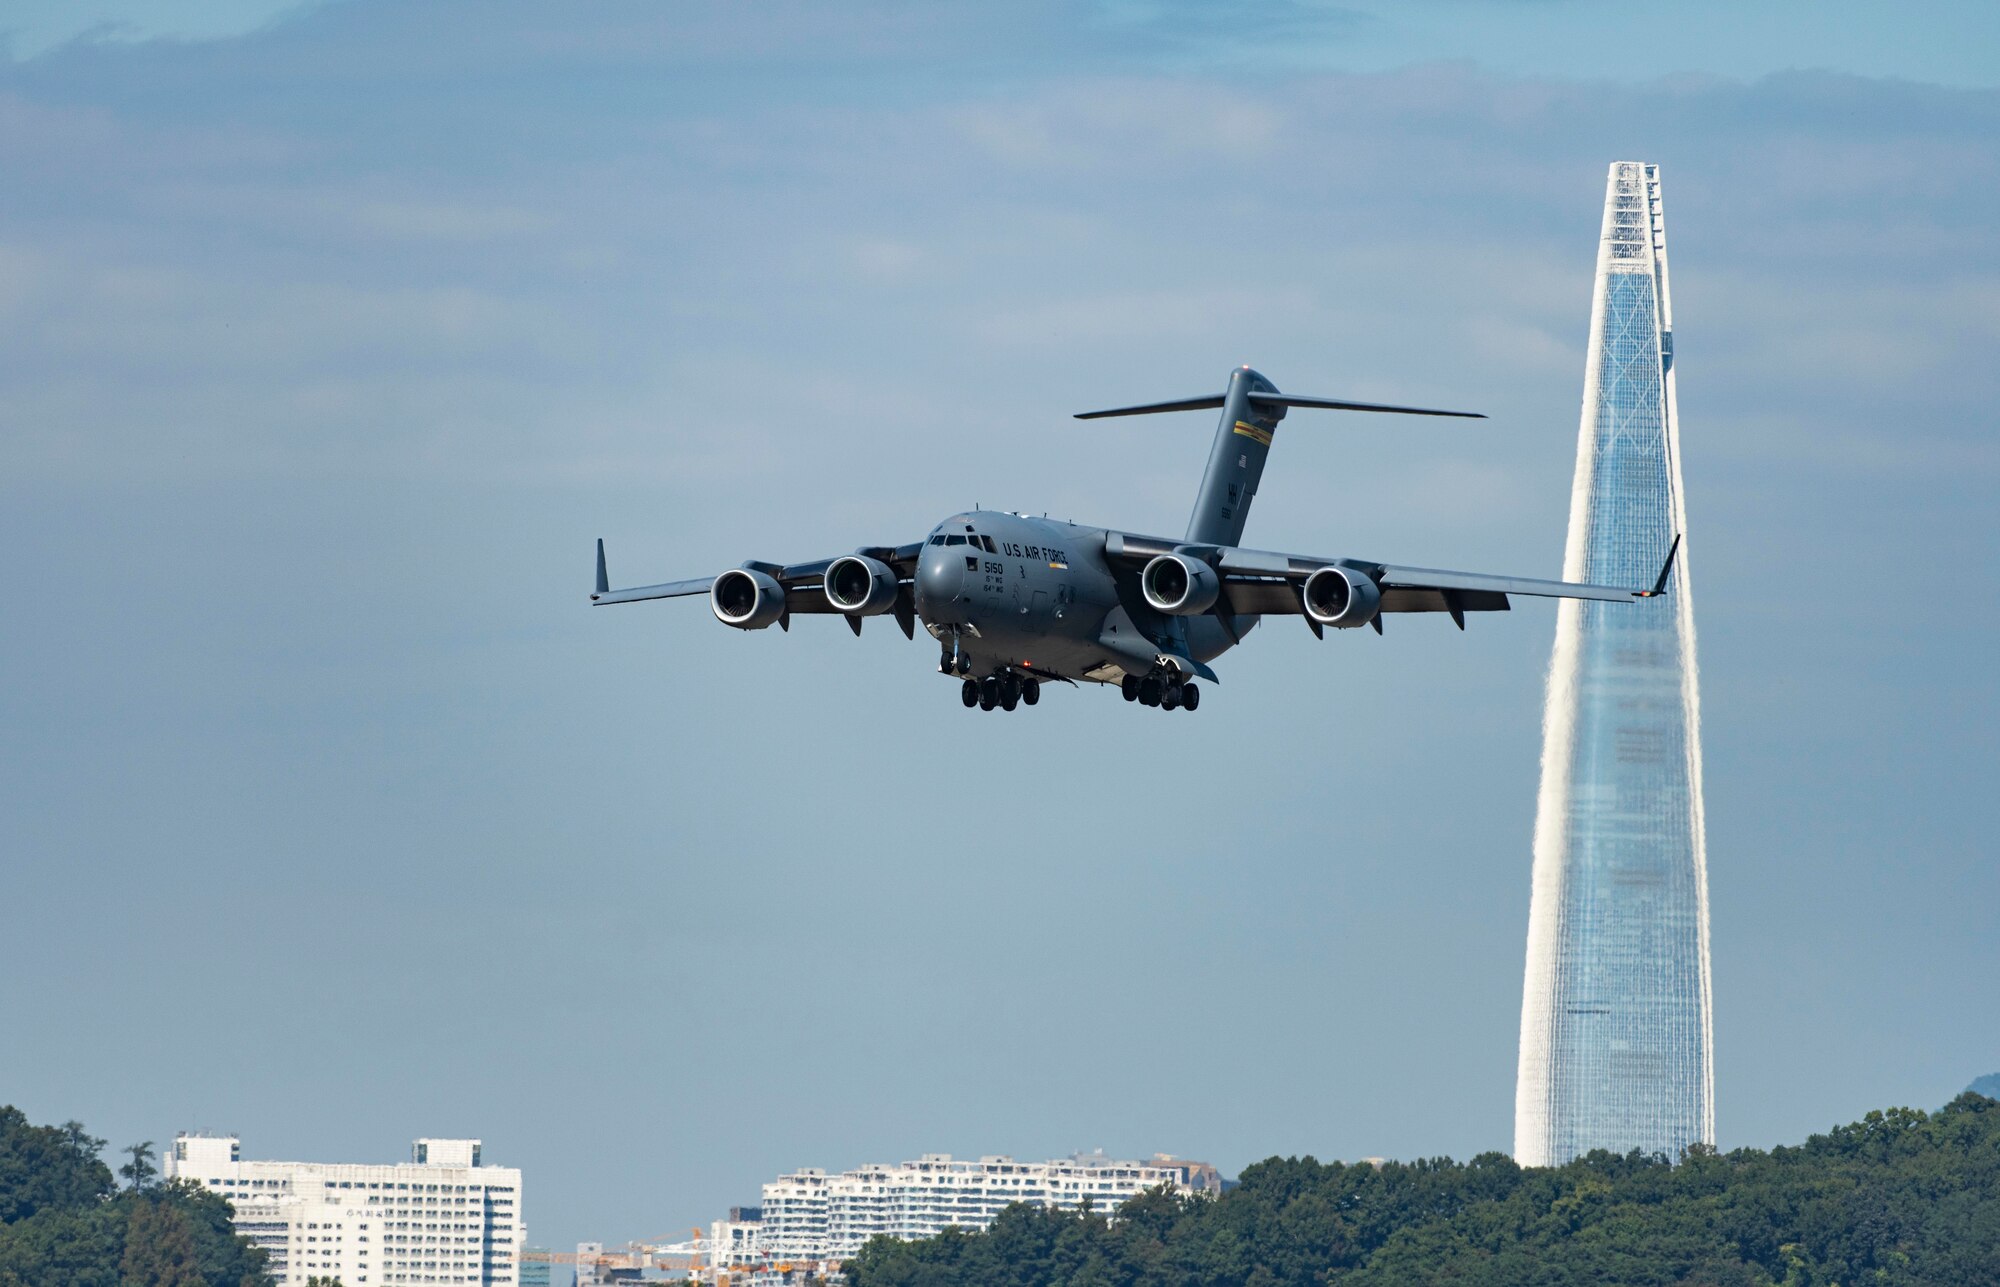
x=330 y=338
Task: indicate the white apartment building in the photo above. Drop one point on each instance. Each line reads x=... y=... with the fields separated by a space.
x=440 y=1218
x=810 y=1215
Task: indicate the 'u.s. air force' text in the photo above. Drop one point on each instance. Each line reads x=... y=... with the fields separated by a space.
x=1033 y=552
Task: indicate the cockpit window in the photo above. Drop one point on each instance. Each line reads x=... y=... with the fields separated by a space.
x=954 y=540
x=937 y=540
x=987 y=541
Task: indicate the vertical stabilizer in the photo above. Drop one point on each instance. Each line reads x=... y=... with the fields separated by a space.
x=1235 y=462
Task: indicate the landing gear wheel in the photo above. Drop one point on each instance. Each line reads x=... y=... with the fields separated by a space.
x=964 y=664
x=946 y=665
x=1190 y=697
x=1130 y=687
x=989 y=693
x=1010 y=691
x=1170 y=697
x=1009 y=700
x=1149 y=692
x=968 y=692
x=1031 y=691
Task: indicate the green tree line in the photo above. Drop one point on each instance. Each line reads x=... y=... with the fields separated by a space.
x=1899 y=1199
x=66 y=1222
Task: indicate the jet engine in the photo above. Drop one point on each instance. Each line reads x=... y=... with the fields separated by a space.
x=746 y=599
x=861 y=586
x=1180 y=585
x=1342 y=597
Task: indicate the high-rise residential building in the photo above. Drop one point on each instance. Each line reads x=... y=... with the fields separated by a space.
x=810 y=1215
x=1616 y=1051
x=440 y=1218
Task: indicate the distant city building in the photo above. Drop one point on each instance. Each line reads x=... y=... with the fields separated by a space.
x=534 y=1272
x=1616 y=1049
x=1195 y=1177
x=737 y=1242
x=593 y=1269
x=440 y=1218
x=810 y=1215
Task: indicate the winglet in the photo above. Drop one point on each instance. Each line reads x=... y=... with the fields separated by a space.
x=603 y=581
x=1660 y=585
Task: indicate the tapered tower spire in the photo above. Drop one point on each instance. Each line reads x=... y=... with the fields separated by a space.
x=1616 y=1042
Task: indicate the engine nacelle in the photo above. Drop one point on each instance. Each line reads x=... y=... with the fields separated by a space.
x=746 y=599
x=1341 y=597
x=861 y=586
x=1179 y=585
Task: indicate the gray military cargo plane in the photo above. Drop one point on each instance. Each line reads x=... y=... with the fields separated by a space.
x=1015 y=600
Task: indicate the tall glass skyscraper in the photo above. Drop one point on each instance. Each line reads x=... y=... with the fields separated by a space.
x=1616 y=1049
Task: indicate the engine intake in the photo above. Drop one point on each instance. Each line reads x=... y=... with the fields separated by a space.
x=1341 y=597
x=1179 y=585
x=861 y=586
x=746 y=599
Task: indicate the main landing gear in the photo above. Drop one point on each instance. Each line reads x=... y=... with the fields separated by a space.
x=1164 y=691
x=1004 y=691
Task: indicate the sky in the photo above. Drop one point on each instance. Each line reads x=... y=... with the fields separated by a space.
x=332 y=336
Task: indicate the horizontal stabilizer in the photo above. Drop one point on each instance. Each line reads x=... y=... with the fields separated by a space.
x=1275 y=401
x=1335 y=404
x=1209 y=403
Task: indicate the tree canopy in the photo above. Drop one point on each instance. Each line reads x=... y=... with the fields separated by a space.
x=64 y=1221
x=1899 y=1199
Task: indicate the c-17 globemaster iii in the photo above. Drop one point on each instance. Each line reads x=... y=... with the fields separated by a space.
x=1014 y=600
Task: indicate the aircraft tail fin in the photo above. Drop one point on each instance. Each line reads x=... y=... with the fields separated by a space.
x=1251 y=409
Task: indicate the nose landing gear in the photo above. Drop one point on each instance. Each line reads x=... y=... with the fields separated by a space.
x=954 y=661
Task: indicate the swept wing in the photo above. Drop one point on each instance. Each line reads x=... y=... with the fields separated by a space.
x=804 y=583
x=1267 y=582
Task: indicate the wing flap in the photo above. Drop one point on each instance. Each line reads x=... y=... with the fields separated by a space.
x=1273 y=597
x=807 y=598
x=1416 y=599
x=1248 y=597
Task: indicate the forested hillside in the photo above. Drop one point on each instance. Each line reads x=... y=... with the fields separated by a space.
x=1901 y=1197
x=66 y=1222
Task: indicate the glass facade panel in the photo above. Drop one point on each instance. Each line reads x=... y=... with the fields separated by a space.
x=1615 y=1025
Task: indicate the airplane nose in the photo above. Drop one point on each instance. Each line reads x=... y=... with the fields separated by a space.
x=940 y=575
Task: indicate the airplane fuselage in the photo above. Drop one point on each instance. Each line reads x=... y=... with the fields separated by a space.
x=1006 y=593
